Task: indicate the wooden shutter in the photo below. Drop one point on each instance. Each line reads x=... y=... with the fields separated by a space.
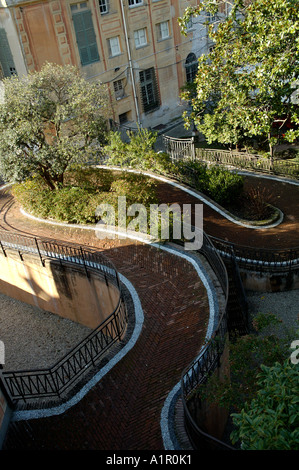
x=6 y=59
x=86 y=38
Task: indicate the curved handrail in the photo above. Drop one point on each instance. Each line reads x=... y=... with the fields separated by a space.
x=200 y=368
x=55 y=380
x=249 y=161
x=263 y=259
x=252 y=258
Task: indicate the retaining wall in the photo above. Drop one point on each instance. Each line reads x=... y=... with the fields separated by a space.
x=61 y=289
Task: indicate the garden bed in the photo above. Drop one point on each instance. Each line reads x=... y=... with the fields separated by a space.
x=85 y=189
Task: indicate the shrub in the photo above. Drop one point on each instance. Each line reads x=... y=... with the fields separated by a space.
x=73 y=205
x=89 y=178
x=34 y=196
x=77 y=204
x=223 y=186
x=194 y=173
x=136 y=188
x=137 y=153
x=271 y=420
x=256 y=203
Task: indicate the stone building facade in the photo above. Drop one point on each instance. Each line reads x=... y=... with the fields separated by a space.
x=135 y=46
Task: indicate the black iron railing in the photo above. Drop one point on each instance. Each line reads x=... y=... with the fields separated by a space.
x=197 y=373
x=55 y=381
x=202 y=367
x=258 y=259
x=45 y=248
x=26 y=385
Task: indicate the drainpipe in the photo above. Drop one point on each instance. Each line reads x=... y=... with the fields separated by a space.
x=130 y=63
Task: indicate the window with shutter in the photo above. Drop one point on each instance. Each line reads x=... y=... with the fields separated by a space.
x=149 y=90
x=163 y=30
x=85 y=35
x=6 y=60
x=140 y=37
x=114 y=46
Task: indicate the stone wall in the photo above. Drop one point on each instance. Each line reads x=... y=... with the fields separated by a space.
x=64 y=290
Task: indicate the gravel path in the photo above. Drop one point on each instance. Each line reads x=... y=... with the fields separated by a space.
x=34 y=338
x=284 y=305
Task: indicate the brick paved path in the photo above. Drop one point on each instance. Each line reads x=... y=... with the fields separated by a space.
x=123 y=410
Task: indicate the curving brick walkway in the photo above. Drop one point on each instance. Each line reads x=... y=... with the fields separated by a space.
x=123 y=411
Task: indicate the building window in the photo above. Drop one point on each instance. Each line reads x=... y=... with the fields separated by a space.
x=123 y=118
x=163 y=30
x=6 y=60
x=191 y=66
x=190 y=24
x=114 y=46
x=133 y=3
x=149 y=90
x=104 y=6
x=211 y=18
x=140 y=37
x=85 y=35
x=119 y=90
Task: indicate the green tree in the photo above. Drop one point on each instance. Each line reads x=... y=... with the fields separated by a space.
x=137 y=153
x=48 y=120
x=271 y=420
x=245 y=85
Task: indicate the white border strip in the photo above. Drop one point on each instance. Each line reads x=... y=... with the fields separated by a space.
x=139 y=319
x=165 y=424
x=198 y=196
x=164 y=421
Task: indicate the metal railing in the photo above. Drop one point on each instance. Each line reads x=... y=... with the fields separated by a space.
x=247 y=161
x=203 y=366
x=258 y=259
x=56 y=380
x=178 y=149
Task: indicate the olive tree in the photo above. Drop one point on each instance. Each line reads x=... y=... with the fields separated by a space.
x=48 y=120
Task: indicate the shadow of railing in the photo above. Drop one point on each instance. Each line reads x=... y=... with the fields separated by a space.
x=57 y=380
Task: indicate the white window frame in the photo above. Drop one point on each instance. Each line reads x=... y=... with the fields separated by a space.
x=163 y=30
x=104 y=6
x=190 y=24
x=119 y=91
x=114 y=46
x=140 y=37
x=135 y=3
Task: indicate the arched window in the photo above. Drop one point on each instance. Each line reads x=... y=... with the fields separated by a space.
x=191 y=66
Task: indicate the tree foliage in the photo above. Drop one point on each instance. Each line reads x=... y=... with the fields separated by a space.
x=48 y=120
x=138 y=152
x=246 y=85
x=271 y=420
